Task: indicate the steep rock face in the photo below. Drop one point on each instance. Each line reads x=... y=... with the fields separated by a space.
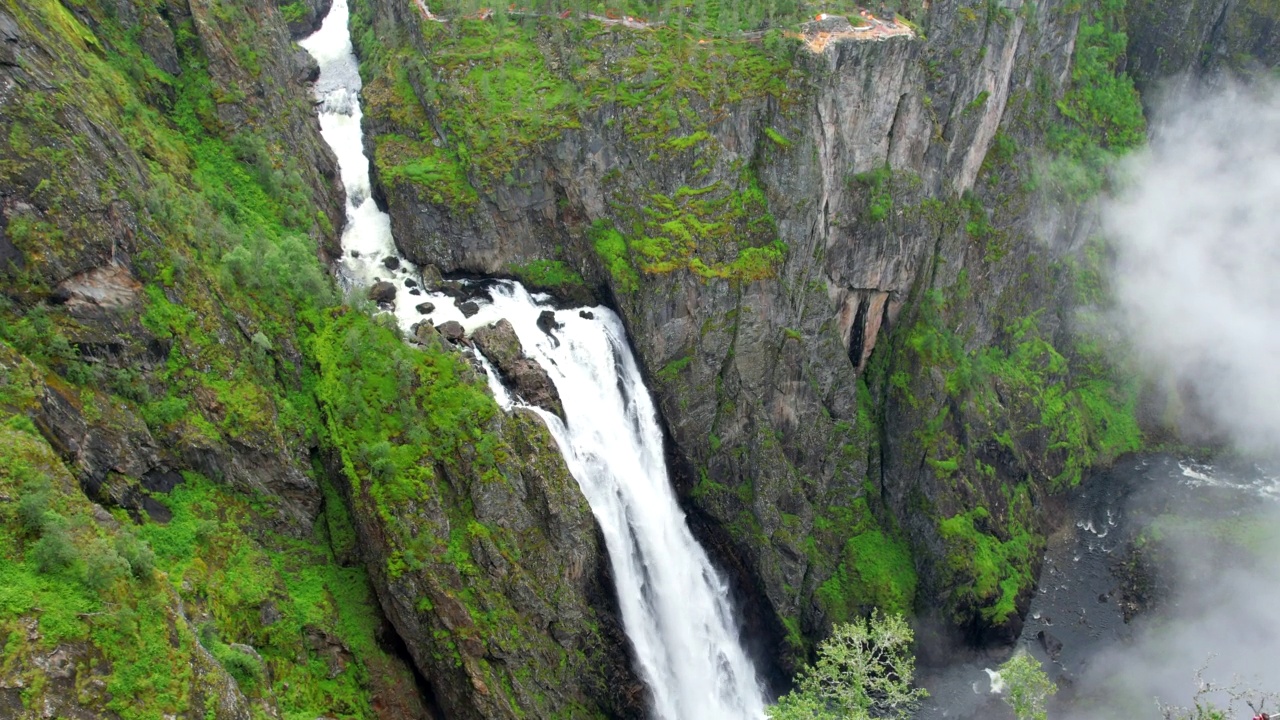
x=821 y=392
x=484 y=553
x=166 y=546
x=512 y=630
x=85 y=213
x=499 y=343
x=1202 y=38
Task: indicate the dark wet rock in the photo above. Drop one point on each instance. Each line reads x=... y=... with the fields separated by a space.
x=391 y=262
x=586 y=315
x=382 y=292
x=425 y=308
x=430 y=275
x=469 y=308
x=307 y=70
x=415 y=292
x=452 y=331
x=160 y=481
x=156 y=511
x=1051 y=644
x=268 y=614
x=410 y=283
x=303 y=16
x=523 y=375
x=542 y=566
x=355 y=253
x=547 y=322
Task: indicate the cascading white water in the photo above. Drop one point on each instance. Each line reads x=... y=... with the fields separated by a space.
x=675 y=606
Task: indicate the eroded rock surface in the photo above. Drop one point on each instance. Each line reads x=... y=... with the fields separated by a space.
x=524 y=375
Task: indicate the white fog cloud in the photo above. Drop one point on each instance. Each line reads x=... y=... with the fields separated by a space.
x=1197 y=234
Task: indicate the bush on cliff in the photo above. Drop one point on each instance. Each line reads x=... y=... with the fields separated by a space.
x=864 y=670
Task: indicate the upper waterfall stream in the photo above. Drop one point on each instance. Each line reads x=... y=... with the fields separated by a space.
x=675 y=606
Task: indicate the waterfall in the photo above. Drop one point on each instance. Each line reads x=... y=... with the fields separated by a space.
x=675 y=606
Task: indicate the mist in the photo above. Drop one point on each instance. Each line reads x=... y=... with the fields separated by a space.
x=1196 y=233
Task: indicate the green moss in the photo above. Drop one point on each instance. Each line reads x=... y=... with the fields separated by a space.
x=1085 y=406
x=879 y=188
x=611 y=247
x=1101 y=112
x=712 y=231
x=549 y=275
x=778 y=138
x=875 y=570
x=989 y=573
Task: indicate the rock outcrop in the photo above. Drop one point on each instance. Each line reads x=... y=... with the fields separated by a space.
x=1201 y=39
x=829 y=374
x=530 y=381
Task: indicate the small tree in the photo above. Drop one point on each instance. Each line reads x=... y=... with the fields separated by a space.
x=865 y=667
x=1027 y=687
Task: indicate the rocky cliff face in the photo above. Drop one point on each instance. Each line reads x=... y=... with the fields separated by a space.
x=847 y=274
x=1202 y=38
x=484 y=553
x=179 y=534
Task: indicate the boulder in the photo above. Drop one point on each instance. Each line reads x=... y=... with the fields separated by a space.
x=391 y=262
x=452 y=331
x=547 y=322
x=524 y=376
x=469 y=308
x=425 y=308
x=1051 y=644
x=382 y=292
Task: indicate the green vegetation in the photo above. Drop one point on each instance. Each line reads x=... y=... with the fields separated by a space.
x=487 y=93
x=864 y=670
x=1084 y=404
x=988 y=573
x=880 y=201
x=396 y=414
x=1027 y=687
x=875 y=570
x=1065 y=412
x=1101 y=113
x=114 y=586
x=551 y=276
x=214 y=357
x=712 y=232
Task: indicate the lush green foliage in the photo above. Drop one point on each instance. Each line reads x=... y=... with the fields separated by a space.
x=712 y=232
x=876 y=570
x=396 y=413
x=708 y=19
x=549 y=275
x=989 y=573
x=1027 y=687
x=114 y=586
x=864 y=670
x=1101 y=111
x=225 y=245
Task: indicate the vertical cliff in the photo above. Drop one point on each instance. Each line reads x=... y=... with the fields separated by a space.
x=201 y=509
x=1202 y=39
x=848 y=265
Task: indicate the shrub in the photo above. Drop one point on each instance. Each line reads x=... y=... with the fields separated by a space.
x=54 y=551
x=1027 y=687
x=864 y=670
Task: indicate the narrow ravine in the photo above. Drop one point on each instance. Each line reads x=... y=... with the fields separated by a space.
x=675 y=606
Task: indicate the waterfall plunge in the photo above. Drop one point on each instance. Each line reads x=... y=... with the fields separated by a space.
x=675 y=606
